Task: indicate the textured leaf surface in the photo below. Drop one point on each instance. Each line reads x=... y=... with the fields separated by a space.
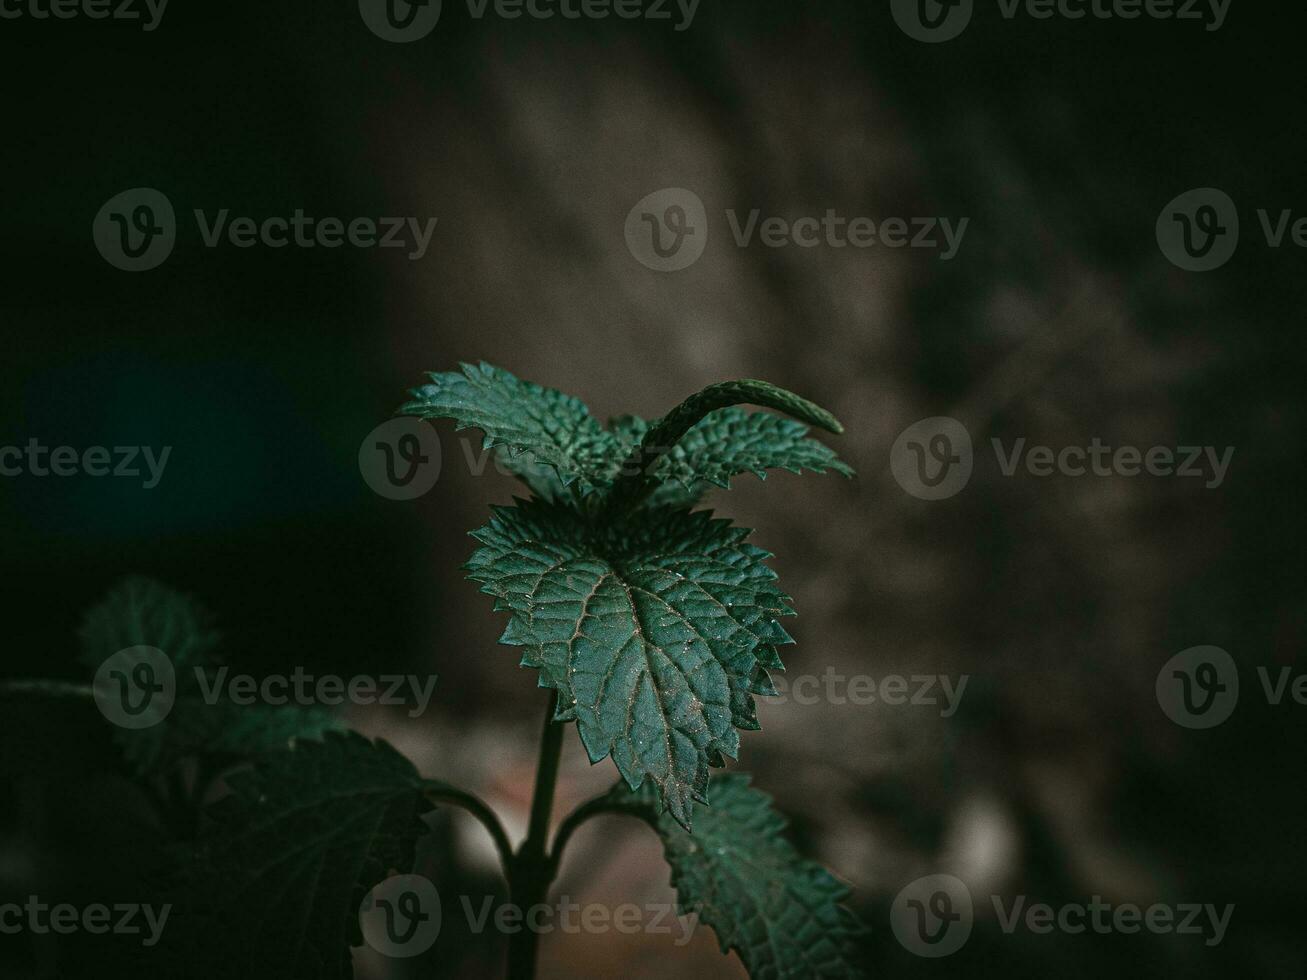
x=536 y=425
x=142 y=612
x=274 y=886
x=656 y=633
x=780 y=912
x=732 y=441
x=551 y=441
x=724 y=444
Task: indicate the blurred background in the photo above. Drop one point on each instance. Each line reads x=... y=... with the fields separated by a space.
x=1059 y=321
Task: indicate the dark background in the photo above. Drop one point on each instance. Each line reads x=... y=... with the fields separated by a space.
x=1059 y=321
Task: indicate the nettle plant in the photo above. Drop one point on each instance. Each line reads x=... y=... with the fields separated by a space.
x=653 y=626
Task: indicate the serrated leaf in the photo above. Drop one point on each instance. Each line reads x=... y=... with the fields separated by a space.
x=538 y=425
x=143 y=612
x=542 y=480
x=730 y=441
x=723 y=444
x=273 y=887
x=628 y=430
x=656 y=632
x=222 y=729
x=779 y=911
x=550 y=440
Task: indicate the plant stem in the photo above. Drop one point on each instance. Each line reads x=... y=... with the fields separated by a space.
x=591 y=808
x=444 y=793
x=46 y=688
x=532 y=871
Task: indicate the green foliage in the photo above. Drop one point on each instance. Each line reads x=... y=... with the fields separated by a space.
x=538 y=426
x=274 y=883
x=778 y=911
x=655 y=624
x=142 y=612
x=655 y=632
x=724 y=444
x=551 y=441
x=731 y=441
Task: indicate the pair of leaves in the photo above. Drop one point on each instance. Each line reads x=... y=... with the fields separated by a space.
x=272 y=887
x=551 y=441
x=781 y=914
x=142 y=612
x=655 y=625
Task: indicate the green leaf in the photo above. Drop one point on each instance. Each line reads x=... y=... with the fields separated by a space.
x=551 y=442
x=223 y=729
x=732 y=441
x=538 y=426
x=143 y=612
x=273 y=886
x=723 y=444
x=656 y=632
x=542 y=480
x=780 y=912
